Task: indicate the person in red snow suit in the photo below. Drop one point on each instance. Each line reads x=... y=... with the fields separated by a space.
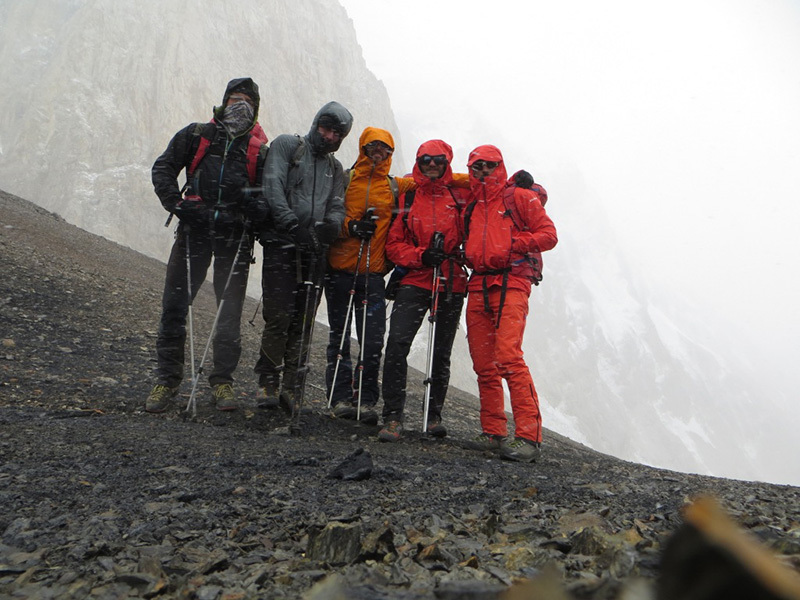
x=435 y=209
x=504 y=224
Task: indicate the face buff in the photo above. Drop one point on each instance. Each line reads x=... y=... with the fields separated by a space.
x=238 y=117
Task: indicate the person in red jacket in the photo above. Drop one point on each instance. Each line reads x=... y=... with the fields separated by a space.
x=434 y=207
x=504 y=226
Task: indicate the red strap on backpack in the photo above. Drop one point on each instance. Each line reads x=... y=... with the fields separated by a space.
x=256 y=139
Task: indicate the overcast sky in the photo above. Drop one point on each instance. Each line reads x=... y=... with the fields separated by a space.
x=682 y=118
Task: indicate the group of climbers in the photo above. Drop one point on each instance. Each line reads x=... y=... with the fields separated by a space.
x=443 y=235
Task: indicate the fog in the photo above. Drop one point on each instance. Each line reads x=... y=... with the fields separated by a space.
x=677 y=122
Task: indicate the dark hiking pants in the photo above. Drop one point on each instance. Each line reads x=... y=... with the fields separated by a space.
x=286 y=297
x=410 y=307
x=337 y=295
x=227 y=342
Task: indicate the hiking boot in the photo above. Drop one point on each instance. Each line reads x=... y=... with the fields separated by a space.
x=223 y=396
x=286 y=402
x=345 y=410
x=390 y=432
x=159 y=399
x=369 y=416
x=485 y=441
x=267 y=398
x=436 y=429
x=521 y=450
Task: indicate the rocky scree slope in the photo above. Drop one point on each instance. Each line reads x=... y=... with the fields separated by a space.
x=98 y=498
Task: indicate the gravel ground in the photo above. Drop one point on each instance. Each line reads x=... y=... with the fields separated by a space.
x=99 y=499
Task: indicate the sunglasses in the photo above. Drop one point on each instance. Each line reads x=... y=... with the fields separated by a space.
x=426 y=159
x=378 y=146
x=480 y=165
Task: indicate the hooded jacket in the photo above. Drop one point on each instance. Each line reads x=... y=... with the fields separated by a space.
x=221 y=177
x=437 y=206
x=494 y=242
x=368 y=187
x=305 y=186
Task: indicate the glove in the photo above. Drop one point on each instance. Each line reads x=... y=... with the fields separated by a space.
x=192 y=211
x=433 y=257
x=307 y=240
x=326 y=232
x=394 y=282
x=255 y=209
x=521 y=244
x=523 y=179
x=361 y=229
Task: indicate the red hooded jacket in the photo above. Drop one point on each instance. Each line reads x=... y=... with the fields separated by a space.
x=437 y=206
x=494 y=243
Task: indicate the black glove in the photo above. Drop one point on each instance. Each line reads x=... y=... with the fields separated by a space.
x=192 y=211
x=523 y=179
x=361 y=229
x=255 y=209
x=327 y=232
x=307 y=240
x=433 y=257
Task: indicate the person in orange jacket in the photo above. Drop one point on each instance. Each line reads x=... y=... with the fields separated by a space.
x=433 y=210
x=504 y=226
x=355 y=276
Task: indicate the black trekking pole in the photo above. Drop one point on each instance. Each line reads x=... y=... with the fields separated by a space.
x=313 y=282
x=192 y=397
x=191 y=301
x=365 y=304
x=346 y=326
x=437 y=241
x=255 y=313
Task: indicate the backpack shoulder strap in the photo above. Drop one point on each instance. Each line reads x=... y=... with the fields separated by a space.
x=204 y=131
x=395 y=187
x=256 y=150
x=511 y=209
x=298 y=151
x=467 y=216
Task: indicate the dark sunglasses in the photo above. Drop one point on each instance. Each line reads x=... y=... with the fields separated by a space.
x=426 y=159
x=378 y=145
x=480 y=165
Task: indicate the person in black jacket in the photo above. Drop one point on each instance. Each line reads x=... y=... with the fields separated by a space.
x=218 y=207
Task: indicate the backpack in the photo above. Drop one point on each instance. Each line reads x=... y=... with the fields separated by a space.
x=392 y=185
x=533 y=258
x=256 y=147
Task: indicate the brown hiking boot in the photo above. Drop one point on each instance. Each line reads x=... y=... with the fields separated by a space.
x=224 y=397
x=520 y=450
x=485 y=441
x=160 y=398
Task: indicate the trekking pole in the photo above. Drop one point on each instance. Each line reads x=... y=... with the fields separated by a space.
x=192 y=397
x=313 y=282
x=255 y=313
x=365 y=304
x=437 y=241
x=346 y=327
x=191 y=301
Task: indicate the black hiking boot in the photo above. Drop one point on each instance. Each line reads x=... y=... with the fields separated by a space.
x=435 y=428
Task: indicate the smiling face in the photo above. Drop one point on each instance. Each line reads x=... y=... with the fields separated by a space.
x=432 y=167
x=377 y=152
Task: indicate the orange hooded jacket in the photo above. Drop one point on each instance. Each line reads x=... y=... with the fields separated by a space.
x=368 y=187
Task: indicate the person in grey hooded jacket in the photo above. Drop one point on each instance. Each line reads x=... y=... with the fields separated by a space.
x=304 y=188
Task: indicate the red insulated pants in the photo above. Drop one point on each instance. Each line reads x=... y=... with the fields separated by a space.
x=497 y=355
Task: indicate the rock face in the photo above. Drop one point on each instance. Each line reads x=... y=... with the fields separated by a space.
x=94 y=89
x=99 y=499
